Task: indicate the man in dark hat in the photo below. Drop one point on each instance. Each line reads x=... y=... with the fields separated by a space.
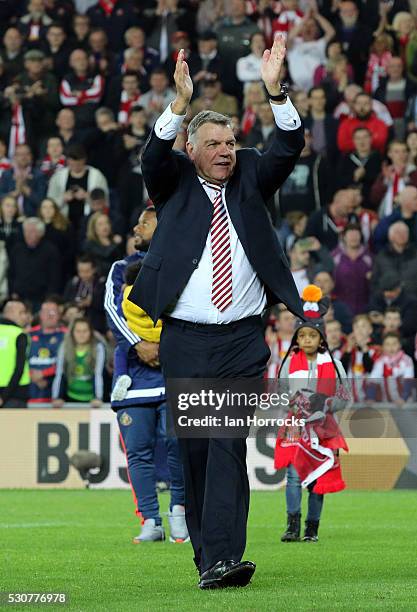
x=392 y=294
x=206 y=61
x=39 y=89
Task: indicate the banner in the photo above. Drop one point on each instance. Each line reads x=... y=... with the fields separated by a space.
x=36 y=446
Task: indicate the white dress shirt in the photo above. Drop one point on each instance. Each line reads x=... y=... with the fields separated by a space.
x=194 y=303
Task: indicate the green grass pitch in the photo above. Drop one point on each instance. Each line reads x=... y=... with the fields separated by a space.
x=80 y=542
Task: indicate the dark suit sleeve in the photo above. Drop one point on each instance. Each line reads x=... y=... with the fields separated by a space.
x=160 y=168
x=277 y=163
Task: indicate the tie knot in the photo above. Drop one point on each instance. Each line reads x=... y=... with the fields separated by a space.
x=217 y=188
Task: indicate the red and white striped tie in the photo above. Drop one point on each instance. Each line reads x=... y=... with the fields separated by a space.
x=221 y=289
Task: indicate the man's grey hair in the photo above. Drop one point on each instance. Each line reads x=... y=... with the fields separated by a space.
x=35 y=222
x=398 y=225
x=206 y=117
x=104 y=110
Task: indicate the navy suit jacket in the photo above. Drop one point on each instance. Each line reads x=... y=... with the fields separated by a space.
x=185 y=211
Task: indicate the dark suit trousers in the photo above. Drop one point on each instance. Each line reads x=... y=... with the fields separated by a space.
x=215 y=474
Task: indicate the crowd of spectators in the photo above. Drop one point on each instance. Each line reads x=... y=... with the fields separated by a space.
x=81 y=84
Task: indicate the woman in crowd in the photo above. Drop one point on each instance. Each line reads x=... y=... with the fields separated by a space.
x=10 y=224
x=254 y=95
x=403 y=28
x=80 y=367
x=58 y=231
x=379 y=58
x=353 y=267
x=333 y=53
x=101 y=244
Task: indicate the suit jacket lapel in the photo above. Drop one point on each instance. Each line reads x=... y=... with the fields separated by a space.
x=233 y=201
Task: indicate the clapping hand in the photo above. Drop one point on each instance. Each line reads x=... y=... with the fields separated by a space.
x=272 y=61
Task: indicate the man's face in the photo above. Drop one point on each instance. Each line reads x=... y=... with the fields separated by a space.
x=286 y=322
x=144 y=230
x=237 y=9
x=348 y=14
x=79 y=61
x=16 y=312
x=318 y=100
x=98 y=41
x=309 y=30
x=85 y=271
x=392 y=321
x=31 y=235
x=362 y=329
x=398 y=154
x=409 y=199
x=334 y=333
x=299 y=257
x=399 y=235
x=55 y=36
x=136 y=38
x=210 y=89
x=213 y=152
x=130 y=85
x=104 y=121
x=76 y=165
x=362 y=140
x=81 y=25
x=325 y=282
x=395 y=68
x=12 y=40
x=344 y=202
x=36 y=7
x=392 y=294
x=23 y=157
x=49 y=315
x=362 y=106
x=138 y=119
x=134 y=60
x=205 y=47
x=159 y=83
x=34 y=67
x=65 y=119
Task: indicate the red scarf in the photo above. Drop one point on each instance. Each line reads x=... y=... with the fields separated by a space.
x=17 y=130
x=248 y=120
x=311 y=448
x=48 y=167
x=326 y=373
x=125 y=107
x=107 y=6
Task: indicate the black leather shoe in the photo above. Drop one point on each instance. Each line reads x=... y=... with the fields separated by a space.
x=227 y=574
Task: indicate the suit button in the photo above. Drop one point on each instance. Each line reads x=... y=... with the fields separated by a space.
x=195 y=261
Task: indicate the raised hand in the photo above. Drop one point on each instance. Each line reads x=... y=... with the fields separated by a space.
x=271 y=65
x=183 y=84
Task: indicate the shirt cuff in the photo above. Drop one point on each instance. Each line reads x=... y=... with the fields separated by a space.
x=168 y=125
x=286 y=115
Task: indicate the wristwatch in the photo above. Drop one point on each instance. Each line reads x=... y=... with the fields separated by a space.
x=282 y=96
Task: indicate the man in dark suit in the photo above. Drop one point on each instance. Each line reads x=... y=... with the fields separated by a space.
x=211 y=288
